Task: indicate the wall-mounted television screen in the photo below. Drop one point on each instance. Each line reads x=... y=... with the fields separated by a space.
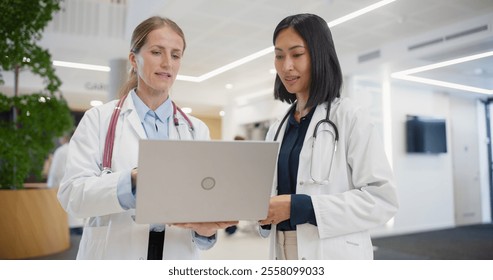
x=426 y=135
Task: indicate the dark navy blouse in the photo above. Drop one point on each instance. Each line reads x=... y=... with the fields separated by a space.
x=287 y=173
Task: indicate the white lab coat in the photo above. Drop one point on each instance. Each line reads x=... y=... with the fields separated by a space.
x=360 y=194
x=110 y=231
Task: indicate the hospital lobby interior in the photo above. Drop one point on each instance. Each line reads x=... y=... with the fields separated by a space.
x=401 y=60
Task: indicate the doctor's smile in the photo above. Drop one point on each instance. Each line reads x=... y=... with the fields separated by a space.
x=164 y=74
x=291 y=79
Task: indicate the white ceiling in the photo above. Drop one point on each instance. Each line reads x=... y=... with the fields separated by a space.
x=219 y=32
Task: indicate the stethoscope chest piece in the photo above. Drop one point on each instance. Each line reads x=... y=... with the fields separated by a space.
x=334 y=132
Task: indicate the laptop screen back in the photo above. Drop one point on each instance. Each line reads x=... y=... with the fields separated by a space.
x=204 y=181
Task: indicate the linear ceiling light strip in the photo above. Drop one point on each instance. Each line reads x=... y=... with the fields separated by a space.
x=406 y=74
x=238 y=62
x=442 y=84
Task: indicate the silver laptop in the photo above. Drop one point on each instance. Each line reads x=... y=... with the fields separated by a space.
x=204 y=181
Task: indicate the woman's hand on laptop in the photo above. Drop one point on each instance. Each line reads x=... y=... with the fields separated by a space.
x=279 y=210
x=206 y=229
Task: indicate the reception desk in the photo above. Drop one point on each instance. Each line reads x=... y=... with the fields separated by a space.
x=32 y=223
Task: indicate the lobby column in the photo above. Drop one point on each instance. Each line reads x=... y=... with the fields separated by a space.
x=118 y=76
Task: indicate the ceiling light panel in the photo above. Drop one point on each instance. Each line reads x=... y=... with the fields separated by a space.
x=412 y=74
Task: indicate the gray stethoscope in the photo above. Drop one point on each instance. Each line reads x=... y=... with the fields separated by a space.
x=110 y=136
x=334 y=134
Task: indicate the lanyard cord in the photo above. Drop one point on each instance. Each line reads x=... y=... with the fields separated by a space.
x=110 y=136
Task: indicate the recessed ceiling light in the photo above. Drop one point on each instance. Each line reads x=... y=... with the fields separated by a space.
x=273 y=71
x=95 y=103
x=406 y=74
x=478 y=71
x=228 y=86
x=222 y=113
x=186 y=110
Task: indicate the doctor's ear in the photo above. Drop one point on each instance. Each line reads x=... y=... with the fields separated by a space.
x=133 y=62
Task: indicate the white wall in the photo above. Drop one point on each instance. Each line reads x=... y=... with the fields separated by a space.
x=484 y=144
x=466 y=159
x=258 y=107
x=424 y=181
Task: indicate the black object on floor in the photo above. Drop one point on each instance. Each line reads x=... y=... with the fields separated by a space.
x=76 y=231
x=230 y=230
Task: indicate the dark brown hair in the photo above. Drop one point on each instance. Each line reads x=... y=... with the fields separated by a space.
x=326 y=74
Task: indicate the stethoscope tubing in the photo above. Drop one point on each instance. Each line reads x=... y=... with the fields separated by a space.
x=326 y=120
x=110 y=136
x=320 y=122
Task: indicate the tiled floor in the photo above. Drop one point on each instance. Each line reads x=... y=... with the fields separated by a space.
x=244 y=244
x=473 y=242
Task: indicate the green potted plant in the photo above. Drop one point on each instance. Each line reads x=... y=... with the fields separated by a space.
x=29 y=123
x=34 y=223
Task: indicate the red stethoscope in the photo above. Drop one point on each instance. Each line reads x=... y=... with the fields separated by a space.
x=110 y=136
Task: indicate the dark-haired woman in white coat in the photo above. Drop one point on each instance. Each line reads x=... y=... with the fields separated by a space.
x=333 y=181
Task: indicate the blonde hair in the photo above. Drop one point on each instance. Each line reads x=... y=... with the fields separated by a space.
x=139 y=38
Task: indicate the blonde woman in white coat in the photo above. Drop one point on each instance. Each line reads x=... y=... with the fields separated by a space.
x=103 y=190
x=333 y=181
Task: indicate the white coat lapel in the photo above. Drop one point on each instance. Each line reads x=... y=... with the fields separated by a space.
x=180 y=132
x=128 y=110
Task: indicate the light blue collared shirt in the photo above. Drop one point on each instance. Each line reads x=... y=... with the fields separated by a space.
x=155 y=124
x=155 y=128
